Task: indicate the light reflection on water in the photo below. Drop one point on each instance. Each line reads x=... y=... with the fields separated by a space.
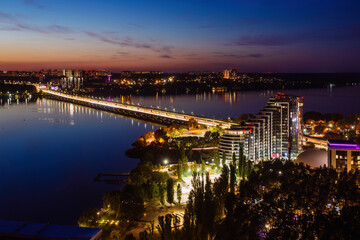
x=51 y=151
x=233 y=104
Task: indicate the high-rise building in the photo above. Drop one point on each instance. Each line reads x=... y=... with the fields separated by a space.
x=229 y=73
x=72 y=79
x=233 y=139
x=291 y=119
x=274 y=132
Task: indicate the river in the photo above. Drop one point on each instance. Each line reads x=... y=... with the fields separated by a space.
x=51 y=151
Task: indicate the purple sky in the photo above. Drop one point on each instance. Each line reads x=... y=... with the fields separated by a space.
x=181 y=35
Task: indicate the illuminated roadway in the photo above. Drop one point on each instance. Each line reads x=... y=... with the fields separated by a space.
x=181 y=117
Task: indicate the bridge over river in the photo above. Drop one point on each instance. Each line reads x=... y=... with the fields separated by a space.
x=140 y=112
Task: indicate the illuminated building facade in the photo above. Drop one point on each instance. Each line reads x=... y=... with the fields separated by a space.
x=274 y=132
x=287 y=124
x=72 y=79
x=344 y=155
x=229 y=73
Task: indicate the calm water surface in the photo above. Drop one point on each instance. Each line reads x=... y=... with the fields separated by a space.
x=223 y=105
x=50 y=151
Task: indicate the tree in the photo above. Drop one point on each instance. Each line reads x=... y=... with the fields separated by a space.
x=242 y=163
x=319 y=129
x=217 y=160
x=190 y=154
x=154 y=190
x=182 y=153
x=232 y=178
x=164 y=227
x=221 y=190
x=210 y=207
x=131 y=204
x=333 y=117
x=185 y=167
x=170 y=190
x=147 y=157
x=130 y=237
x=112 y=202
x=234 y=160
x=89 y=218
x=184 y=161
x=203 y=167
x=180 y=171
x=193 y=167
x=223 y=159
x=179 y=193
x=316 y=116
x=162 y=194
x=144 y=235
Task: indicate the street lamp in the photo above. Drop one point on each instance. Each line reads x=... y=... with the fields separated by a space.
x=166 y=161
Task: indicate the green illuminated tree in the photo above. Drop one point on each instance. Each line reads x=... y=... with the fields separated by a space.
x=203 y=167
x=162 y=194
x=242 y=164
x=180 y=171
x=217 y=160
x=179 y=193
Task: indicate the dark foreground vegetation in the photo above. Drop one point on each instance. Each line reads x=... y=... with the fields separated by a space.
x=270 y=200
x=278 y=200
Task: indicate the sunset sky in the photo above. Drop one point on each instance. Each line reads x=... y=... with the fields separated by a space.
x=181 y=35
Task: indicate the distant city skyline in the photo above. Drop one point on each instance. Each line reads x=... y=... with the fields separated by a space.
x=180 y=36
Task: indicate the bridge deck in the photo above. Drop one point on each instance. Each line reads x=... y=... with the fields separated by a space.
x=141 y=110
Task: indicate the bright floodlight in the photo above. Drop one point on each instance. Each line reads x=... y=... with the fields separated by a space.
x=165 y=161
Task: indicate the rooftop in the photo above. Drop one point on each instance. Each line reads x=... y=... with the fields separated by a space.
x=343 y=144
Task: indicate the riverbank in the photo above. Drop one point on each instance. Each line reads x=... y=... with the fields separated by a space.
x=16 y=89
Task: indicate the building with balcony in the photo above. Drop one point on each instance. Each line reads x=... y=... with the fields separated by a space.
x=274 y=132
x=344 y=155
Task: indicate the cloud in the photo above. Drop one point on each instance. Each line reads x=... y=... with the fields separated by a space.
x=33 y=3
x=209 y=26
x=338 y=33
x=9 y=29
x=44 y=30
x=12 y=23
x=58 y=29
x=123 y=53
x=16 y=24
x=4 y=17
x=265 y=40
x=136 y=25
x=255 y=55
x=128 y=42
x=232 y=55
x=166 y=56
